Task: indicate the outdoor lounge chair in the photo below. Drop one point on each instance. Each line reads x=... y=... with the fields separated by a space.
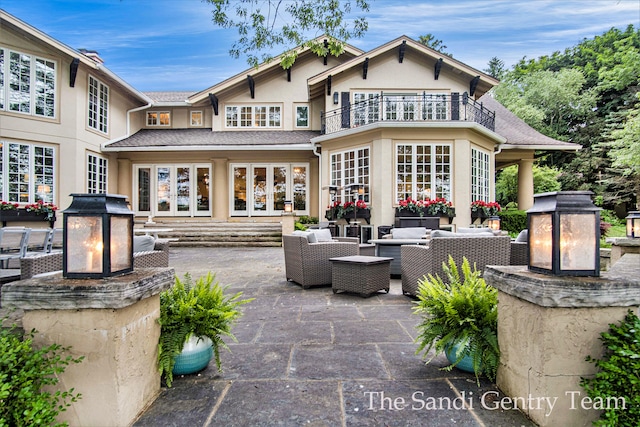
x=308 y=263
x=420 y=260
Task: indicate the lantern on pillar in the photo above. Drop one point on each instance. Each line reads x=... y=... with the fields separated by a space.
x=288 y=206
x=564 y=234
x=494 y=223
x=633 y=225
x=97 y=237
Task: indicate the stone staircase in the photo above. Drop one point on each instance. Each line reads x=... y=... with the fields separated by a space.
x=211 y=233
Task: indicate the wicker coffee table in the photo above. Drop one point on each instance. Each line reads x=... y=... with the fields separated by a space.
x=364 y=275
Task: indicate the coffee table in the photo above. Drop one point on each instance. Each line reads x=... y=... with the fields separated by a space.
x=391 y=248
x=360 y=274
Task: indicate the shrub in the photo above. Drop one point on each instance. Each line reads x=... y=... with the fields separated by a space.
x=618 y=376
x=25 y=373
x=512 y=220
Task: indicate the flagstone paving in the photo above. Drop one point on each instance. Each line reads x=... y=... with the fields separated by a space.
x=314 y=358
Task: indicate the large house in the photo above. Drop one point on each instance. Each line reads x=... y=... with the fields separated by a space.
x=401 y=120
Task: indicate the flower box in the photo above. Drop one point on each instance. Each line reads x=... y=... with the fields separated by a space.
x=22 y=215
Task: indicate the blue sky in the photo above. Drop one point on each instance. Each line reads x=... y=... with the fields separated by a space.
x=172 y=45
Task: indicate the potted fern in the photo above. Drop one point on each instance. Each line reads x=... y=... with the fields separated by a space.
x=193 y=319
x=459 y=317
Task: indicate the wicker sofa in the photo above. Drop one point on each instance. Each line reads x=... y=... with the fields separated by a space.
x=45 y=263
x=481 y=250
x=308 y=263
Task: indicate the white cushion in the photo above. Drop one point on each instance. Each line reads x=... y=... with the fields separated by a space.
x=409 y=232
x=311 y=237
x=444 y=233
x=143 y=243
x=322 y=235
x=523 y=236
x=474 y=230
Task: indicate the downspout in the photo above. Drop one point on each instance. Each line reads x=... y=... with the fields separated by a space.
x=319 y=155
x=133 y=110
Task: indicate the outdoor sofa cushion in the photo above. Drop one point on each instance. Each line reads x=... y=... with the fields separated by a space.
x=408 y=233
x=143 y=243
x=322 y=235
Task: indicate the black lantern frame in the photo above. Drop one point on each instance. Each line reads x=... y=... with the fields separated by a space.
x=633 y=225
x=564 y=234
x=97 y=237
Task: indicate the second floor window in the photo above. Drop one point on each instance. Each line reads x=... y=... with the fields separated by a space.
x=27 y=84
x=253 y=116
x=96 y=174
x=158 y=118
x=98 y=105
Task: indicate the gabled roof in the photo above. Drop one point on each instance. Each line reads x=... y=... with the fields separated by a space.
x=485 y=83
x=206 y=139
x=518 y=133
x=241 y=77
x=7 y=19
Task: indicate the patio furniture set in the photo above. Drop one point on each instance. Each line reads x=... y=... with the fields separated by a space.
x=314 y=258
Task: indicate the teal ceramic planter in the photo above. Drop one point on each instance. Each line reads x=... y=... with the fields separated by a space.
x=466 y=364
x=195 y=356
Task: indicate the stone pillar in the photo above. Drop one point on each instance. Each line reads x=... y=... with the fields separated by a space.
x=112 y=322
x=547 y=325
x=288 y=223
x=525 y=184
x=220 y=200
x=621 y=246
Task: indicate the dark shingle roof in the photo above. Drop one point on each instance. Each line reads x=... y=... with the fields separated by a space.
x=515 y=130
x=149 y=138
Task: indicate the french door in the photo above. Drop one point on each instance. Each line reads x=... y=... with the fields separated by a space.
x=173 y=190
x=261 y=189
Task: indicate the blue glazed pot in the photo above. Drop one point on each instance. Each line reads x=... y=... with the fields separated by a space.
x=195 y=356
x=466 y=364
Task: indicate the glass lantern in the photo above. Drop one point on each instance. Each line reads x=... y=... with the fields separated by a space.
x=494 y=223
x=633 y=225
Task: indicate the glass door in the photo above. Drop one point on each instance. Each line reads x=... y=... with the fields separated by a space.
x=270 y=189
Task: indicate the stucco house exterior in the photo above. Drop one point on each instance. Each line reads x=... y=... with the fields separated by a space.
x=401 y=120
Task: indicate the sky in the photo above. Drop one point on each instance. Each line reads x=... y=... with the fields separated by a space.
x=173 y=45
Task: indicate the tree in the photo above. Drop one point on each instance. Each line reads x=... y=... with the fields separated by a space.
x=429 y=40
x=265 y=26
x=495 y=68
x=625 y=148
x=545 y=179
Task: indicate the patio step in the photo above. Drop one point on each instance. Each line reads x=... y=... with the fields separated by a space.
x=211 y=233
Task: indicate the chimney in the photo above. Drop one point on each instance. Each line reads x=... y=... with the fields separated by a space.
x=92 y=54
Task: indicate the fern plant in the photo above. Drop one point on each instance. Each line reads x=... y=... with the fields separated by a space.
x=618 y=376
x=462 y=312
x=199 y=309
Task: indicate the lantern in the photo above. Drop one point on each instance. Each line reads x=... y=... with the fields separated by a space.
x=97 y=237
x=288 y=206
x=633 y=225
x=564 y=234
x=494 y=223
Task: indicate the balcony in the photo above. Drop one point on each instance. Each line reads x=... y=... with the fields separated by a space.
x=407 y=108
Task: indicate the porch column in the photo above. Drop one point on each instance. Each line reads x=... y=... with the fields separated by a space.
x=125 y=179
x=525 y=184
x=220 y=199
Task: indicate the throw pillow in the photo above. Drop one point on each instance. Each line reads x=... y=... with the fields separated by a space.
x=311 y=238
x=143 y=243
x=523 y=236
x=322 y=235
x=409 y=232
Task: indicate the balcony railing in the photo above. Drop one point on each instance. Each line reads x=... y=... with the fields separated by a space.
x=411 y=108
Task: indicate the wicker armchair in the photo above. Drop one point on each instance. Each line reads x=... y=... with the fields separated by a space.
x=519 y=253
x=420 y=260
x=45 y=263
x=308 y=263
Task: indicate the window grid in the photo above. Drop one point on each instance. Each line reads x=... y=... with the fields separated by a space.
x=479 y=175
x=31 y=84
x=98 y=105
x=349 y=167
x=253 y=116
x=423 y=171
x=27 y=173
x=367 y=108
x=96 y=174
x=302 y=116
x=158 y=118
x=196 y=118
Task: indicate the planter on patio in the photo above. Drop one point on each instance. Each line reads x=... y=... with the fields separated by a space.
x=22 y=215
x=195 y=356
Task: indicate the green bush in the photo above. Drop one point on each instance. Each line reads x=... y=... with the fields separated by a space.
x=512 y=220
x=304 y=219
x=25 y=372
x=618 y=375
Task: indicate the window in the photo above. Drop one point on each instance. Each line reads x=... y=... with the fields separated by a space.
x=350 y=167
x=400 y=107
x=302 y=116
x=158 y=118
x=435 y=107
x=96 y=174
x=479 y=175
x=26 y=173
x=257 y=116
x=27 y=84
x=423 y=171
x=196 y=118
x=366 y=108
x=98 y=105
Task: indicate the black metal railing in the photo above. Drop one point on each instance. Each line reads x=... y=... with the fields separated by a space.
x=407 y=108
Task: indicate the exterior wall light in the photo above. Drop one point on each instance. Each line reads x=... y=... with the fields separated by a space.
x=494 y=223
x=633 y=225
x=97 y=237
x=564 y=234
x=335 y=98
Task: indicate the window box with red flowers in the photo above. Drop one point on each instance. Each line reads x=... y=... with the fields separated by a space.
x=40 y=211
x=336 y=210
x=483 y=210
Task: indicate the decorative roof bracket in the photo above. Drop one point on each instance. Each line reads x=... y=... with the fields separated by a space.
x=329 y=85
x=214 y=103
x=252 y=86
x=401 y=50
x=73 y=71
x=365 y=68
x=473 y=85
x=437 y=68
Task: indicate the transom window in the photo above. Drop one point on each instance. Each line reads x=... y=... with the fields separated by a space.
x=196 y=118
x=350 y=167
x=98 y=105
x=423 y=171
x=480 y=175
x=27 y=172
x=27 y=84
x=96 y=174
x=253 y=116
x=158 y=118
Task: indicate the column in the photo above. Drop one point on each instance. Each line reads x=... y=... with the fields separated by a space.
x=525 y=184
x=220 y=199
